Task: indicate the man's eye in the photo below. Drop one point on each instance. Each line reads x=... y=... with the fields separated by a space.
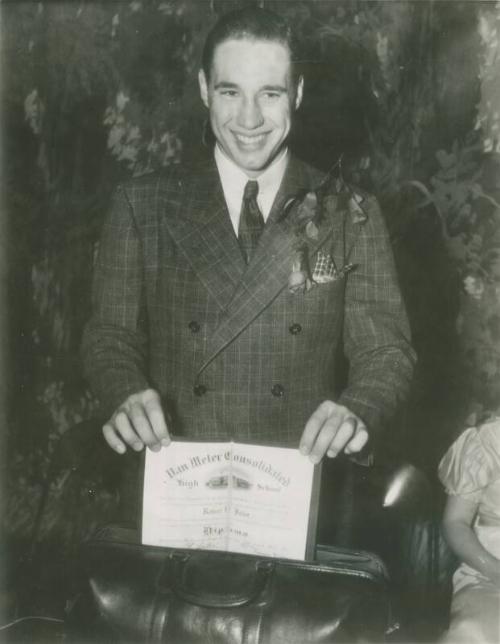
x=271 y=96
x=231 y=93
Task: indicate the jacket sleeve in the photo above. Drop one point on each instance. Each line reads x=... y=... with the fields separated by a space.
x=115 y=339
x=376 y=330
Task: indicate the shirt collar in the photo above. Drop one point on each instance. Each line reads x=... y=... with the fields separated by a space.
x=269 y=176
x=234 y=179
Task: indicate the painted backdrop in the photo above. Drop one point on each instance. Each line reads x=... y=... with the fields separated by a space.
x=405 y=93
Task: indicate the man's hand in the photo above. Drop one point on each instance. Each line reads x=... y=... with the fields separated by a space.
x=331 y=429
x=137 y=422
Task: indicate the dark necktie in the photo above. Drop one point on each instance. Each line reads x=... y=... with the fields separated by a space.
x=251 y=221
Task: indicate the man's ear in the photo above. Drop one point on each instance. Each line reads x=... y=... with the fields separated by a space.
x=299 y=92
x=202 y=81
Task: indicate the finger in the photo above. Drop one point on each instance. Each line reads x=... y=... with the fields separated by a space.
x=112 y=439
x=124 y=428
x=313 y=426
x=359 y=440
x=156 y=417
x=344 y=434
x=142 y=427
x=324 y=439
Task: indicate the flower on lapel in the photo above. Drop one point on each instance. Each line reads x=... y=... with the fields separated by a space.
x=308 y=211
x=306 y=227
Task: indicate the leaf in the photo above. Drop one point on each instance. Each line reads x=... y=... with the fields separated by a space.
x=446 y=161
x=288 y=205
x=307 y=208
x=358 y=214
x=330 y=203
x=296 y=281
x=312 y=230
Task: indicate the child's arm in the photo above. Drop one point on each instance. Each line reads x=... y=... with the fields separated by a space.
x=457 y=527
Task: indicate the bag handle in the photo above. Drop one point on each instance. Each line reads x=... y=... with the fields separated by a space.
x=262 y=576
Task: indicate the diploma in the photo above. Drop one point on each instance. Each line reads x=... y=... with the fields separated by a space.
x=231 y=496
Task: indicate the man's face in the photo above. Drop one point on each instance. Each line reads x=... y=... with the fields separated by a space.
x=251 y=97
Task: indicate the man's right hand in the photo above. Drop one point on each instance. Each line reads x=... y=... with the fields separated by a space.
x=137 y=422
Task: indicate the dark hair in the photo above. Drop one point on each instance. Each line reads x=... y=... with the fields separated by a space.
x=254 y=23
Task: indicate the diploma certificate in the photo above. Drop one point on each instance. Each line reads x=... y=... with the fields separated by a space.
x=230 y=496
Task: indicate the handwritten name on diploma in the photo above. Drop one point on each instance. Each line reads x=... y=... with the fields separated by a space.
x=221 y=509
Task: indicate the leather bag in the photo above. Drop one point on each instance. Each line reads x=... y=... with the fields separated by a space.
x=134 y=593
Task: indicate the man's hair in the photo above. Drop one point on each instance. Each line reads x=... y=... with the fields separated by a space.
x=253 y=23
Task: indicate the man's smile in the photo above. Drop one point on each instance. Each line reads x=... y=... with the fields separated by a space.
x=248 y=140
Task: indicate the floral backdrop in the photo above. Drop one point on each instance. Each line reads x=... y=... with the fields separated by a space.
x=406 y=94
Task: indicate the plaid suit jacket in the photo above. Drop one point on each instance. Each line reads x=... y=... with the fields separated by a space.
x=175 y=307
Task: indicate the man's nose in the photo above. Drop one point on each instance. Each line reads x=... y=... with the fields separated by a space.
x=250 y=115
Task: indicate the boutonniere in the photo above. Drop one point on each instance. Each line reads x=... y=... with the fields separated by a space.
x=308 y=211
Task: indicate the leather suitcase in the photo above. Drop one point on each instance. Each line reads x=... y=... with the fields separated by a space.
x=133 y=593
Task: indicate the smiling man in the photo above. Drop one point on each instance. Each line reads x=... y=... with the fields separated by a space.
x=195 y=331
x=251 y=96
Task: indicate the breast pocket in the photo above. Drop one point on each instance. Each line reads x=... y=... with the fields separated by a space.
x=321 y=296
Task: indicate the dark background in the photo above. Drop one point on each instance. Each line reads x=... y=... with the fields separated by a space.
x=406 y=93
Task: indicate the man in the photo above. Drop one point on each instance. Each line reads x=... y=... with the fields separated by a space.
x=195 y=331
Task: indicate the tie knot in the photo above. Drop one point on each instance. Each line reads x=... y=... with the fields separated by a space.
x=251 y=190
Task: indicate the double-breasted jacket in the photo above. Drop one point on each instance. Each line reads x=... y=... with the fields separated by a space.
x=232 y=352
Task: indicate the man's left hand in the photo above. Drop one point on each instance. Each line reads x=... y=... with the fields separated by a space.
x=331 y=429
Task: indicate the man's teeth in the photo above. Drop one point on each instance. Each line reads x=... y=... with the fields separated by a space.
x=250 y=139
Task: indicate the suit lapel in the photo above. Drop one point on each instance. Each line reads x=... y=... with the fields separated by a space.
x=203 y=231
x=267 y=274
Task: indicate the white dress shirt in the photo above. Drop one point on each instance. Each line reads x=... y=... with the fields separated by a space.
x=234 y=180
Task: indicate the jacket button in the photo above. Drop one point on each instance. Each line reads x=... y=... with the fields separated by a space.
x=199 y=390
x=194 y=326
x=295 y=329
x=278 y=391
